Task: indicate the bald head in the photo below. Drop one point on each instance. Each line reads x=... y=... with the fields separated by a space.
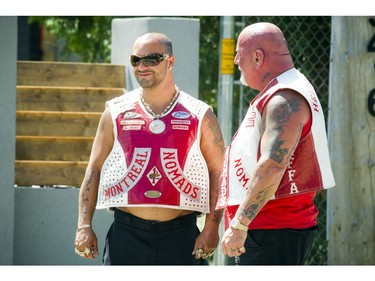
x=262 y=54
x=154 y=38
x=265 y=36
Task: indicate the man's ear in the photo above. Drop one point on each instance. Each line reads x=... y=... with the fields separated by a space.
x=171 y=63
x=258 y=58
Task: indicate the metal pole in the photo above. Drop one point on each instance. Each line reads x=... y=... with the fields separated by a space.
x=225 y=96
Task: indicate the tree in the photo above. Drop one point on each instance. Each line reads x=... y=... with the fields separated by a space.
x=89 y=37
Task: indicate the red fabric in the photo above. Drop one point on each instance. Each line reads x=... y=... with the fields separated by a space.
x=297 y=212
x=170 y=138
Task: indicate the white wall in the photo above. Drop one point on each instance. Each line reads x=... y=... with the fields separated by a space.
x=45 y=225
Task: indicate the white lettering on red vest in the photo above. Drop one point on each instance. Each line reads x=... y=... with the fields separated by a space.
x=291 y=173
x=135 y=171
x=176 y=176
x=293 y=188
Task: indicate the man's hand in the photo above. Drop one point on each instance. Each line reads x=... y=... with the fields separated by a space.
x=232 y=243
x=86 y=243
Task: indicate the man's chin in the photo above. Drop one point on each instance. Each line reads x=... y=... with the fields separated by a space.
x=243 y=81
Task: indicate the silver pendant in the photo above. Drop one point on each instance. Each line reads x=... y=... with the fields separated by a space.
x=157 y=126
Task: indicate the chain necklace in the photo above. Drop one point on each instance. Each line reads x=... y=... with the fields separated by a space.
x=157 y=126
x=157 y=116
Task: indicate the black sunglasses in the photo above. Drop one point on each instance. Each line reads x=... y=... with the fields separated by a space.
x=149 y=60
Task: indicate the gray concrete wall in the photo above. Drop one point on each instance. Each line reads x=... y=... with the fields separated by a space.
x=45 y=225
x=8 y=70
x=184 y=34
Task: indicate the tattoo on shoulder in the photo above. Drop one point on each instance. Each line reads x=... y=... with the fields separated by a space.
x=215 y=129
x=279 y=117
x=284 y=110
x=278 y=153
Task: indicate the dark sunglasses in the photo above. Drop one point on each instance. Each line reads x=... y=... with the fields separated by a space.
x=149 y=60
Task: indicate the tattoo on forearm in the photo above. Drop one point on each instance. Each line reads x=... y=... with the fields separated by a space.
x=88 y=181
x=257 y=203
x=217 y=216
x=86 y=189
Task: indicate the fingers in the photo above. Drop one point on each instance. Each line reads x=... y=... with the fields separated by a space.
x=86 y=253
x=86 y=244
x=95 y=248
x=200 y=253
x=232 y=243
x=234 y=252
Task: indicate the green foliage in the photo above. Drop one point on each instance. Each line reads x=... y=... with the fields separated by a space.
x=209 y=59
x=89 y=37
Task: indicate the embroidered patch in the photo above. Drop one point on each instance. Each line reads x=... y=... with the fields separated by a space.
x=181 y=115
x=131 y=115
x=179 y=122
x=154 y=176
x=132 y=122
x=131 y=128
x=180 y=127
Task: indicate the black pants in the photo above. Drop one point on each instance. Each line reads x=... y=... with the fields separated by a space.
x=277 y=247
x=134 y=241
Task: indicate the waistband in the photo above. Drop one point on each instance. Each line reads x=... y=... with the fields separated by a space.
x=129 y=219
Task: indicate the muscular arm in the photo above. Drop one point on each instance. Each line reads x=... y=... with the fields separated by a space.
x=212 y=147
x=282 y=121
x=101 y=148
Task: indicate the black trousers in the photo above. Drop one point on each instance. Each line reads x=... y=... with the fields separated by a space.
x=277 y=247
x=134 y=241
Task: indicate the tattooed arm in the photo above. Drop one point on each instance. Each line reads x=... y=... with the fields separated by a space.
x=101 y=148
x=282 y=121
x=212 y=147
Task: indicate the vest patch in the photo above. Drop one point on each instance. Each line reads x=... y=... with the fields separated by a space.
x=175 y=174
x=154 y=176
x=135 y=171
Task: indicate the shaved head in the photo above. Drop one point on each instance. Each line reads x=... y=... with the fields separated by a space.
x=262 y=54
x=155 y=38
x=265 y=36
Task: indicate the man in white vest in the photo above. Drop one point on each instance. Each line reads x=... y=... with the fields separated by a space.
x=155 y=161
x=278 y=159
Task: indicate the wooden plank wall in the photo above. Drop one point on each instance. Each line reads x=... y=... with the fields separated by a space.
x=58 y=109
